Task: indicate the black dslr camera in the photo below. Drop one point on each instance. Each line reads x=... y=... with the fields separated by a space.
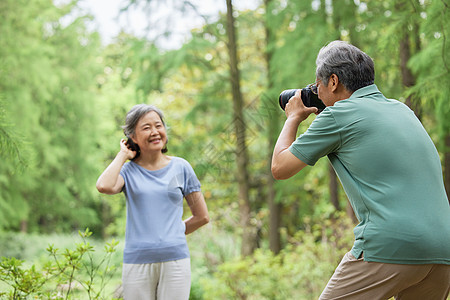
x=308 y=94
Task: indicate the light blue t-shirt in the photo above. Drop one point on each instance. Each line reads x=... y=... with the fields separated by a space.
x=391 y=173
x=155 y=231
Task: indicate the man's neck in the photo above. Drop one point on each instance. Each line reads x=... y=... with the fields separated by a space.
x=341 y=93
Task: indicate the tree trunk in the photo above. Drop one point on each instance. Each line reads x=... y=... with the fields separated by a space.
x=275 y=208
x=351 y=213
x=105 y=216
x=248 y=235
x=408 y=79
x=447 y=166
x=272 y=130
x=333 y=187
x=24 y=226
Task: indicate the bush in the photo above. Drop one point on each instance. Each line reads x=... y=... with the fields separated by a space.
x=66 y=273
x=300 y=271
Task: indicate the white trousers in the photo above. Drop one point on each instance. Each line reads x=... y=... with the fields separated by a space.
x=169 y=280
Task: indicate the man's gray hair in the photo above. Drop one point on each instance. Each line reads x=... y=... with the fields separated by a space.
x=354 y=68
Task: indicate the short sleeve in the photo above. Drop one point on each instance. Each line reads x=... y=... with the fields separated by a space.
x=191 y=182
x=124 y=173
x=320 y=139
x=123 y=170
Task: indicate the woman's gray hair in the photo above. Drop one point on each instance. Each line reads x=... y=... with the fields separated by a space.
x=135 y=114
x=354 y=68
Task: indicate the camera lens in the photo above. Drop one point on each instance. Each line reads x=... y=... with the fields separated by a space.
x=309 y=99
x=285 y=96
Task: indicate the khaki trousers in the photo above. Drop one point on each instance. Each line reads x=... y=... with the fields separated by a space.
x=358 y=279
x=169 y=280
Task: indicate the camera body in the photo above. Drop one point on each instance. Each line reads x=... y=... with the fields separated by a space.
x=308 y=97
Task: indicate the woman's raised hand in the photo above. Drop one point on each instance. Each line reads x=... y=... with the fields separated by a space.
x=125 y=149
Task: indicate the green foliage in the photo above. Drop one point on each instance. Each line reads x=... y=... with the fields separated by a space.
x=196 y=94
x=63 y=98
x=300 y=271
x=48 y=68
x=10 y=146
x=13 y=151
x=24 y=281
x=432 y=65
x=63 y=275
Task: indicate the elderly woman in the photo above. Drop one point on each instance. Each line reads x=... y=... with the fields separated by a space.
x=156 y=263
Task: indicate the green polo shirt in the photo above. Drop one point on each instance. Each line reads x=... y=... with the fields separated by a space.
x=391 y=173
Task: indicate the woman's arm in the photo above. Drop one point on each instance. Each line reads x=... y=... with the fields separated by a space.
x=199 y=211
x=110 y=182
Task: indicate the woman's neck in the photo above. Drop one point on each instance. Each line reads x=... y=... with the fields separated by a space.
x=153 y=161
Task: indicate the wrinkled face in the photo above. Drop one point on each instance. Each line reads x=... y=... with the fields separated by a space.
x=150 y=133
x=323 y=92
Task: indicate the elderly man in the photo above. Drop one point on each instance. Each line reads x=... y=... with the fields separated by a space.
x=391 y=173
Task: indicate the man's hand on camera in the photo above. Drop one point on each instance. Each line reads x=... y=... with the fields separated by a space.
x=296 y=109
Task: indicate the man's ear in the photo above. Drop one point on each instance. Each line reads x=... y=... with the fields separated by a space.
x=333 y=82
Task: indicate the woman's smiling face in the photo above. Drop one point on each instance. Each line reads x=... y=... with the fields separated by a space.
x=150 y=133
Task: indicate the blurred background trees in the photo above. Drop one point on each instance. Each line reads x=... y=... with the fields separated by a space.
x=64 y=95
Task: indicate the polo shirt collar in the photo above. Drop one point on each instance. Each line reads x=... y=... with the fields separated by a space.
x=365 y=91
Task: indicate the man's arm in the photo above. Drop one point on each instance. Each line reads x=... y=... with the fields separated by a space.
x=284 y=163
